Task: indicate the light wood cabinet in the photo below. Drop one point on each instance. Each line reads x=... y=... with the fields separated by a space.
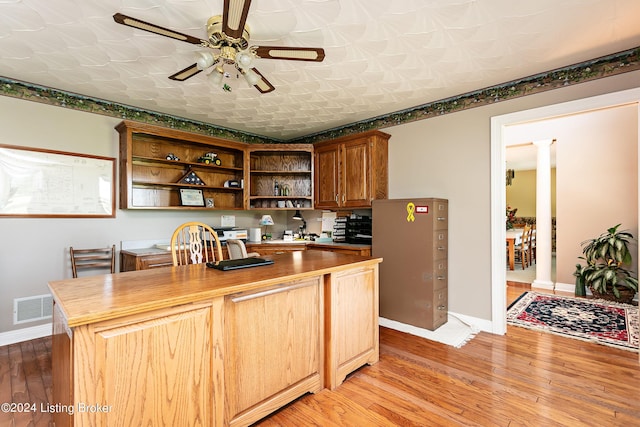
x=150 y=178
x=198 y=346
x=327 y=180
x=352 y=322
x=162 y=356
x=274 y=344
x=291 y=166
x=351 y=171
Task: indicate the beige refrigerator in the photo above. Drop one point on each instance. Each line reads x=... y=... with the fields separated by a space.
x=411 y=235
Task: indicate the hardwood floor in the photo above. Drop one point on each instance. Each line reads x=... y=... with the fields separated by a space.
x=524 y=378
x=25 y=383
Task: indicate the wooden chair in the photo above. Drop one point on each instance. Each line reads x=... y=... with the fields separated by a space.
x=93 y=259
x=522 y=249
x=532 y=245
x=237 y=249
x=195 y=243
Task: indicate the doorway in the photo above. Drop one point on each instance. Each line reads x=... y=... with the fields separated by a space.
x=498 y=187
x=522 y=198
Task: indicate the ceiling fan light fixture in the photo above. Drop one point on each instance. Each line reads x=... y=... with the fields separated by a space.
x=228 y=35
x=216 y=76
x=244 y=59
x=251 y=77
x=205 y=60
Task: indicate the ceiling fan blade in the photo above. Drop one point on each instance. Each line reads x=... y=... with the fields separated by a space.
x=294 y=53
x=146 y=26
x=234 y=17
x=188 y=72
x=263 y=84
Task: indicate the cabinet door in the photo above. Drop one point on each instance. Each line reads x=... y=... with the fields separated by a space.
x=62 y=360
x=327 y=176
x=152 y=369
x=356 y=170
x=273 y=348
x=352 y=300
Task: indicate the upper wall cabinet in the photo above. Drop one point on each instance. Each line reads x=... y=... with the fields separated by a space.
x=351 y=171
x=158 y=164
x=281 y=176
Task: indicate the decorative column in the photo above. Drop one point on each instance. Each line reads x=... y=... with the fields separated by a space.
x=543 y=215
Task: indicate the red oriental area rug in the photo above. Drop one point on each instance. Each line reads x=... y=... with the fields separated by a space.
x=599 y=321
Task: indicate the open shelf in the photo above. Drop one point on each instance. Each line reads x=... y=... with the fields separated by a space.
x=154 y=164
x=291 y=166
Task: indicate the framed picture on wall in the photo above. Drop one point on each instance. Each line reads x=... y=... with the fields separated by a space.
x=37 y=182
x=191 y=197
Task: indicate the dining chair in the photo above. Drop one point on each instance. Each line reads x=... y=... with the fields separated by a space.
x=93 y=259
x=194 y=243
x=522 y=249
x=237 y=250
x=532 y=245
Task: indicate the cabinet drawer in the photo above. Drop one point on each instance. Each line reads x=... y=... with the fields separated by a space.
x=441 y=215
x=275 y=249
x=440 y=275
x=156 y=261
x=440 y=244
x=439 y=308
x=130 y=261
x=341 y=250
x=435 y=276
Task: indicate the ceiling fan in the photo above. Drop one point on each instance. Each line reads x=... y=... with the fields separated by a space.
x=228 y=36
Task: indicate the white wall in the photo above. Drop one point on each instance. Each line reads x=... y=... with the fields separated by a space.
x=597 y=181
x=447 y=156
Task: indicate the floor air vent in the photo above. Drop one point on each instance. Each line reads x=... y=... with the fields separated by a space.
x=30 y=309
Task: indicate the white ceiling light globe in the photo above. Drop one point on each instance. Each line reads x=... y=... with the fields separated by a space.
x=204 y=61
x=244 y=59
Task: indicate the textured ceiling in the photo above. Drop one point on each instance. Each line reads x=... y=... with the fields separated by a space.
x=381 y=56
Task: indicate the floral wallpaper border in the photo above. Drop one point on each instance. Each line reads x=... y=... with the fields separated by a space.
x=74 y=101
x=611 y=65
x=618 y=63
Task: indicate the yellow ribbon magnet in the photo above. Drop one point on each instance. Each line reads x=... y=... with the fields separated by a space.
x=411 y=208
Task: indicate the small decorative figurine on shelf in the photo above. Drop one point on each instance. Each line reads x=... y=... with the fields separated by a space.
x=172 y=156
x=208 y=158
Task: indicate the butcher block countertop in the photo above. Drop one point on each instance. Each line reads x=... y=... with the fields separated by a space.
x=94 y=299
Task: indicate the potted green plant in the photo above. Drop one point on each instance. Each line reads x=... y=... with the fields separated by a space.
x=604 y=273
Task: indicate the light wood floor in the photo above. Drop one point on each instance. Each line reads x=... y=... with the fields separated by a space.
x=524 y=378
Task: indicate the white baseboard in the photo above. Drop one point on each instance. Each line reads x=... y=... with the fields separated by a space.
x=565 y=287
x=474 y=322
x=480 y=324
x=542 y=284
x=571 y=287
x=25 y=334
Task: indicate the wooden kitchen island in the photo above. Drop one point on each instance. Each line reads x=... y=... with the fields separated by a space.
x=197 y=346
